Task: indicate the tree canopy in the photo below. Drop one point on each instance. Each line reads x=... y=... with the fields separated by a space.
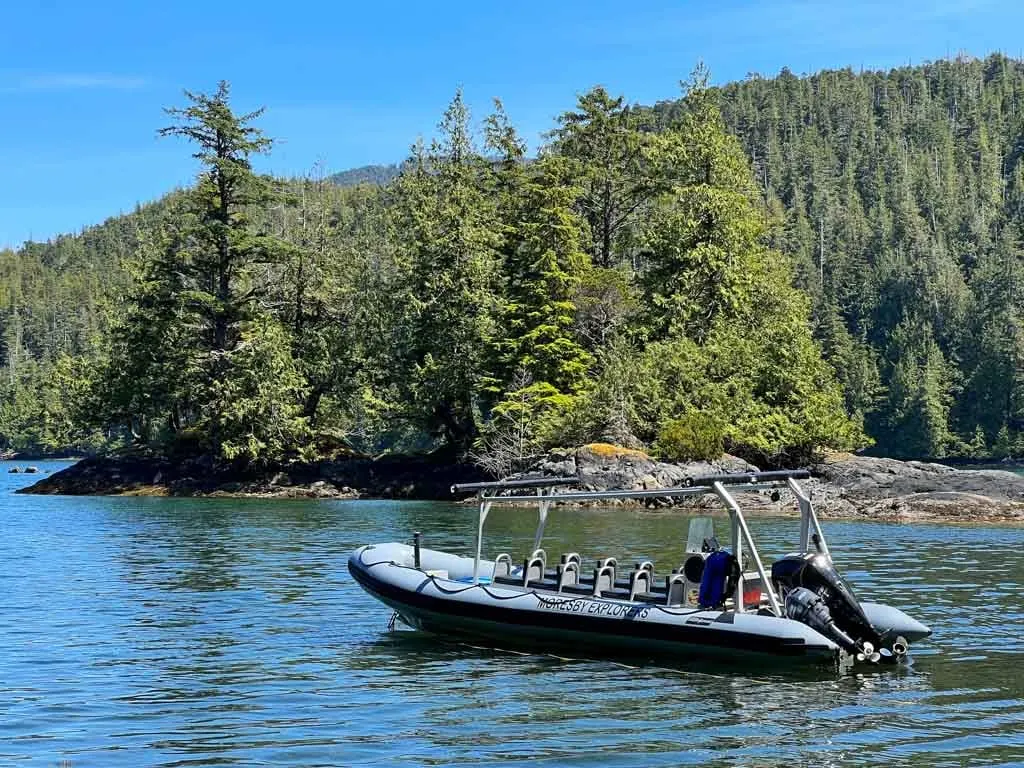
x=774 y=266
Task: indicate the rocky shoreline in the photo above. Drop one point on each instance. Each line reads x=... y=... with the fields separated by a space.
x=846 y=486
x=40 y=455
x=842 y=485
x=400 y=477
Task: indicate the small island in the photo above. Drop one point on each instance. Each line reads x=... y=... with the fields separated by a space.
x=660 y=287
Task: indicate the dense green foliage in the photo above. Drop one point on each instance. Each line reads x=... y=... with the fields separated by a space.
x=772 y=266
x=902 y=200
x=55 y=315
x=694 y=437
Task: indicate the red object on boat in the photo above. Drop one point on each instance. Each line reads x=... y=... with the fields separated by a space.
x=752 y=595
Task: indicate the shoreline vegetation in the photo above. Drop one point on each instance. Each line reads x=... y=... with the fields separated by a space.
x=843 y=485
x=779 y=270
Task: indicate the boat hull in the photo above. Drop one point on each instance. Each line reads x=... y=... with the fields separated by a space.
x=581 y=625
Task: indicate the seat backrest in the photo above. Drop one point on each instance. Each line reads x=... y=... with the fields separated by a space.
x=572 y=557
x=608 y=562
x=568 y=574
x=533 y=569
x=675 y=589
x=541 y=555
x=639 y=581
x=604 y=578
x=502 y=565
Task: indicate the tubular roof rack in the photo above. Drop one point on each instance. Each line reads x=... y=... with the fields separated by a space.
x=728 y=478
x=529 y=482
x=487 y=494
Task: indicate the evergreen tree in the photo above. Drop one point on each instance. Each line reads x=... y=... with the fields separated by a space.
x=261 y=393
x=191 y=320
x=545 y=365
x=919 y=394
x=603 y=137
x=222 y=253
x=705 y=236
x=454 y=236
x=321 y=297
x=544 y=266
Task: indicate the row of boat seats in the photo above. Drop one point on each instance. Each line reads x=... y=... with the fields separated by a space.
x=503 y=563
x=626 y=581
x=566 y=577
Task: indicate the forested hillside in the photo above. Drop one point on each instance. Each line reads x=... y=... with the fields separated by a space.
x=902 y=200
x=633 y=283
x=56 y=301
x=366 y=174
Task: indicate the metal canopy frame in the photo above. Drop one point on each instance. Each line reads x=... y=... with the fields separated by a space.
x=723 y=486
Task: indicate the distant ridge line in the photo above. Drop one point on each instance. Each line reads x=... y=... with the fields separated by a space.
x=378 y=175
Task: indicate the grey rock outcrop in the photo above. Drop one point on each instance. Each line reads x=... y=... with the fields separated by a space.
x=846 y=485
x=605 y=467
x=842 y=485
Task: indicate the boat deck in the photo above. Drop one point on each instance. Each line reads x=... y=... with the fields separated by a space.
x=605 y=581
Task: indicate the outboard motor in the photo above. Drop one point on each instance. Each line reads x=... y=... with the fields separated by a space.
x=816 y=574
x=806 y=607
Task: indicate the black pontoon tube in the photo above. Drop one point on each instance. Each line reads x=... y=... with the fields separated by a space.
x=530 y=482
x=748 y=477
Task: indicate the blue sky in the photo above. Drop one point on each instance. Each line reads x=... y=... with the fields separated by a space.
x=82 y=84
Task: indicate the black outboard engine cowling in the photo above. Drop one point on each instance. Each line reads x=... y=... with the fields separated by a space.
x=808 y=608
x=816 y=573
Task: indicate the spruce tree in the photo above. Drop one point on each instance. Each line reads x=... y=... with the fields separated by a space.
x=603 y=138
x=453 y=251
x=186 y=339
x=705 y=236
x=544 y=266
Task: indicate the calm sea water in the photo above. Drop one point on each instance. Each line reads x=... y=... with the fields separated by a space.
x=172 y=632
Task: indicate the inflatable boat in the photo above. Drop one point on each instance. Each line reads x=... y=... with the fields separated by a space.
x=715 y=601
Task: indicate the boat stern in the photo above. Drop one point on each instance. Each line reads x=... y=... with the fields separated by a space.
x=891 y=623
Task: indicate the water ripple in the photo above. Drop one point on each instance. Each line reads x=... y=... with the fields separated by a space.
x=208 y=632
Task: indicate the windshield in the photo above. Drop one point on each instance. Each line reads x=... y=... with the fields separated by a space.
x=701 y=528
